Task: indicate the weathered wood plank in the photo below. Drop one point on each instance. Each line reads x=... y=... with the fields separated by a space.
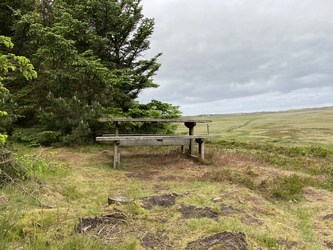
x=153 y=137
x=156 y=142
x=138 y=135
x=181 y=120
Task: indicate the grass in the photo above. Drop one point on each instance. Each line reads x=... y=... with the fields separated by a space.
x=268 y=167
x=305 y=127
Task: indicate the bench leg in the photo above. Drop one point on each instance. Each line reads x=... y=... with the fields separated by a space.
x=190 y=126
x=201 y=149
x=116 y=155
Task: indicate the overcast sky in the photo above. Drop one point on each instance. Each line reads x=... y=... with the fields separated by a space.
x=235 y=56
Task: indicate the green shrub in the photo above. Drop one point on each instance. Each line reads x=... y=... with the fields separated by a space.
x=28 y=136
x=284 y=188
x=46 y=138
x=14 y=167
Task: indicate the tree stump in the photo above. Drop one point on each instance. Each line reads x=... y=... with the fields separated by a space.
x=118 y=200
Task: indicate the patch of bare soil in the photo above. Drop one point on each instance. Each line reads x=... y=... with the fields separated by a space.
x=107 y=226
x=227 y=210
x=197 y=212
x=223 y=240
x=251 y=220
x=159 y=240
x=165 y=200
x=328 y=244
x=328 y=217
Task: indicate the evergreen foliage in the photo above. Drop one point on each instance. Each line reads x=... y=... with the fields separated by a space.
x=89 y=59
x=10 y=63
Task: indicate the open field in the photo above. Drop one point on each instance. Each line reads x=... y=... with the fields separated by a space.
x=305 y=126
x=266 y=184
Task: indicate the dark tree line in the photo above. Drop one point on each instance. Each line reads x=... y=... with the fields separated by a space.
x=88 y=55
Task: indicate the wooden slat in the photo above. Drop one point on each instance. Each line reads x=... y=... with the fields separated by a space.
x=155 y=142
x=181 y=120
x=110 y=135
x=153 y=137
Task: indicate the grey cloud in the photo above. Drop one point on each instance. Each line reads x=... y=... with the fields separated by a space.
x=223 y=50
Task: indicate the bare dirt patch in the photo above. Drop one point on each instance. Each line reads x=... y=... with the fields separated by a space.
x=328 y=244
x=227 y=210
x=328 y=217
x=223 y=240
x=251 y=220
x=197 y=212
x=107 y=226
x=158 y=240
x=165 y=200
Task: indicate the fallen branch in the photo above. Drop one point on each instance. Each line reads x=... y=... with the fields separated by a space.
x=6 y=161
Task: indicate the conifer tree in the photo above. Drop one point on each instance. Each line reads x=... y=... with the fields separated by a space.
x=9 y=63
x=89 y=59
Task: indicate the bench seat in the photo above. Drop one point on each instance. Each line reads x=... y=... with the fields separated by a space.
x=154 y=140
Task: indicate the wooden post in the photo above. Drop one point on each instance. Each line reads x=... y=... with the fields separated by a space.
x=201 y=148
x=117 y=127
x=116 y=154
x=182 y=149
x=190 y=126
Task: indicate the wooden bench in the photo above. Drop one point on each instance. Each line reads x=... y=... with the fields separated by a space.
x=153 y=139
